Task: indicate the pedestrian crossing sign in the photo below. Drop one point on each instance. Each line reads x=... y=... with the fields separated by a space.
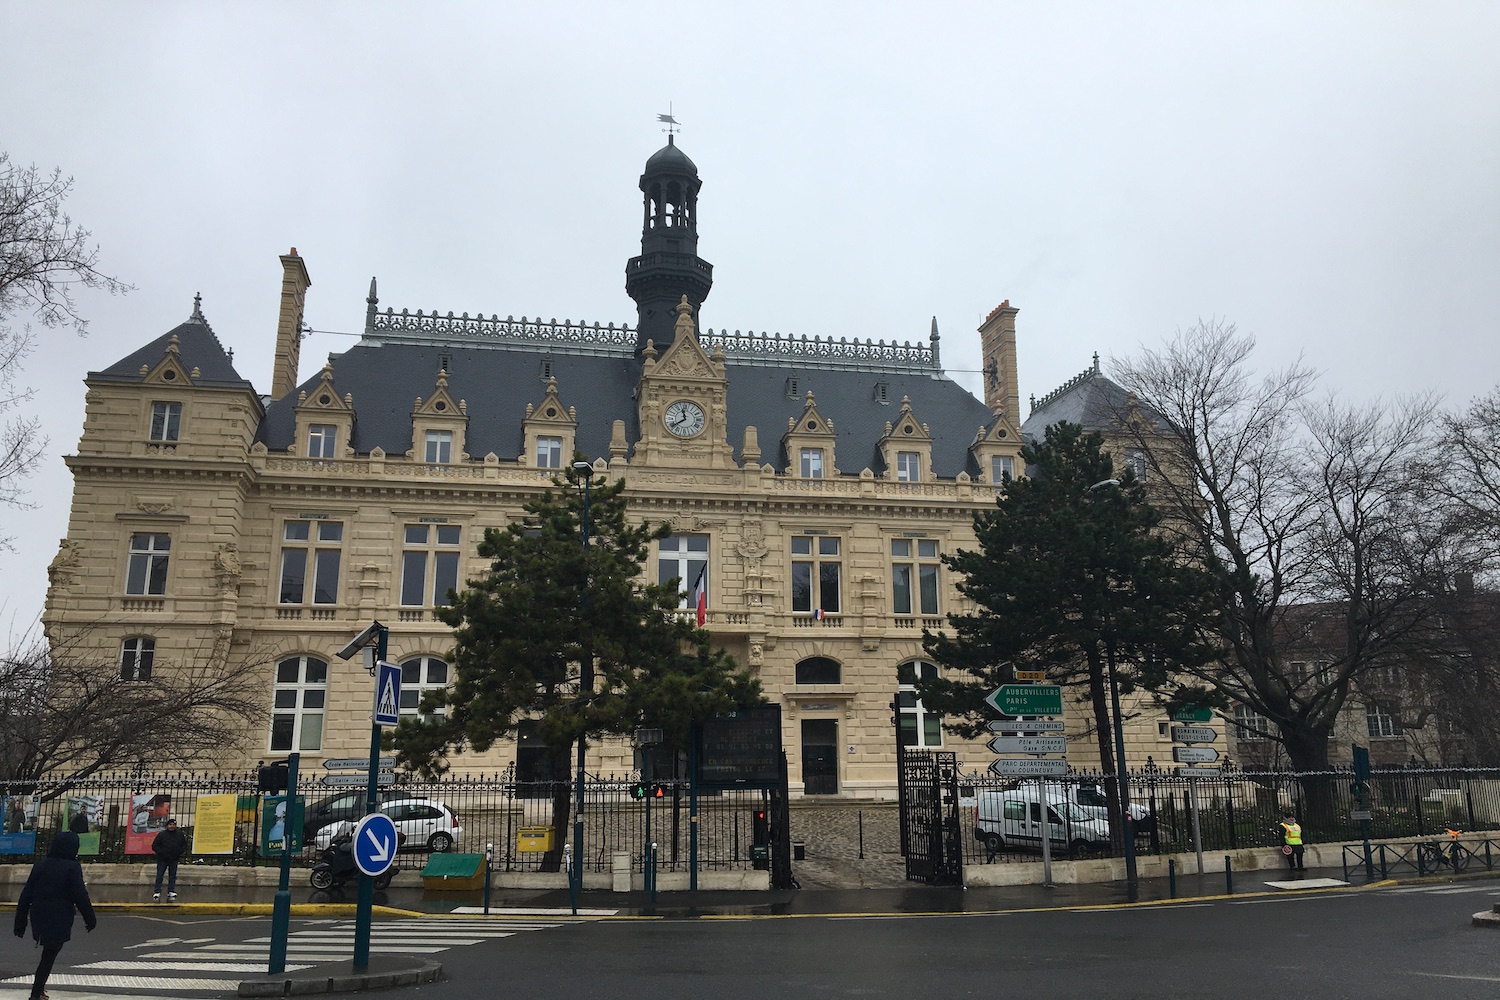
x=387 y=693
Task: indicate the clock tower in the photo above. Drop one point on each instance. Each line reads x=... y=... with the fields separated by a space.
x=682 y=397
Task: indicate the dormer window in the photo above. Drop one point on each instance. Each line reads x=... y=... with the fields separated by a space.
x=549 y=452
x=439 y=449
x=322 y=440
x=1002 y=468
x=166 y=421
x=812 y=463
x=908 y=467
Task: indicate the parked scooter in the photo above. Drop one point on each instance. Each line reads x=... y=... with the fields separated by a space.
x=337 y=865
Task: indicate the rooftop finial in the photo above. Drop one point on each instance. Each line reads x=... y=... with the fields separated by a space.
x=197 y=316
x=1096 y=361
x=672 y=124
x=371 y=301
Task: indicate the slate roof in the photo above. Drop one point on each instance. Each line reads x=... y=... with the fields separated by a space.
x=1088 y=399
x=497 y=381
x=198 y=347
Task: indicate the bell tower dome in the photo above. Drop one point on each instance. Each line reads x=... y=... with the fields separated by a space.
x=669 y=266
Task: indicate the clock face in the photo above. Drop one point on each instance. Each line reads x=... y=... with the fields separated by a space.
x=684 y=418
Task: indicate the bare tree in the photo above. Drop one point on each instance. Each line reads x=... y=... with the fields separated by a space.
x=1308 y=515
x=67 y=711
x=44 y=257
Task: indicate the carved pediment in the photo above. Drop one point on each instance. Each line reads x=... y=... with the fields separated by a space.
x=324 y=397
x=170 y=369
x=441 y=404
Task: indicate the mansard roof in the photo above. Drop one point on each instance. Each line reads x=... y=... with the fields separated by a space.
x=1088 y=399
x=499 y=366
x=198 y=348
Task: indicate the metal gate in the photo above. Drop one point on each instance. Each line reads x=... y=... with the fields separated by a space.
x=930 y=835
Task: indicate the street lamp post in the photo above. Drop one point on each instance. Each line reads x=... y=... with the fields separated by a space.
x=1122 y=776
x=585 y=685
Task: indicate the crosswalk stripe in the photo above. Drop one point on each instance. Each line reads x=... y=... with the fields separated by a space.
x=134 y=982
x=122 y=965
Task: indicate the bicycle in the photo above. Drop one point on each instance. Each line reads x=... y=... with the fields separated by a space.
x=1435 y=855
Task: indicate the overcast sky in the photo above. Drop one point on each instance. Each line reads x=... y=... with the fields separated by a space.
x=1324 y=175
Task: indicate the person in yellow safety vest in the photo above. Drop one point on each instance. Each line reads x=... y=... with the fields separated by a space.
x=1291 y=832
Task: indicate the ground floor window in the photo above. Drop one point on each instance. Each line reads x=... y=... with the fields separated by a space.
x=298 y=704
x=917 y=726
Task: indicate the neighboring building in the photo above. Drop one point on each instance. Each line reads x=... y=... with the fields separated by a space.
x=814 y=484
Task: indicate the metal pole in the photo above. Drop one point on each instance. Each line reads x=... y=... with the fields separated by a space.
x=585 y=685
x=650 y=794
x=366 y=903
x=1197 y=832
x=281 y=906
x=489 y=854
x=1046 y=833
x=692 y=807
x=1122 y=777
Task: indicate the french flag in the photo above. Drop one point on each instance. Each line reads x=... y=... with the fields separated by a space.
x=818 y=615
x=700 y=595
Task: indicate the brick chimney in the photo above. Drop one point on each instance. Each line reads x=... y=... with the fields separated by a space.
x=997 y=346
x=294 y=286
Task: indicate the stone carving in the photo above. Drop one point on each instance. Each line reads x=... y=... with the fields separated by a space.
x=227 y=568
x=64 y=565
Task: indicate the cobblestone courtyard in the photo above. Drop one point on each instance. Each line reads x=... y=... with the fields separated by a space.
x=834 y=834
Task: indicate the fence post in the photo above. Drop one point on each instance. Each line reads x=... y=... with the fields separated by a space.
x=1421 y=824
x=1229 y=814
x=1228 y=876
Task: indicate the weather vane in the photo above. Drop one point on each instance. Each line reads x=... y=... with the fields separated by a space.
x=673 y=125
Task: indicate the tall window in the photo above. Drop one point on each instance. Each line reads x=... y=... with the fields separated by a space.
x=297 y=712
x=1135 y=461
x=918 y=727
x=914 y=575
x=1250 y=724
x=812 y=463
x=439 y=447
x=549 y=453
x=322 y=440
x=320 y=544
x=816 y=574
x=1002 y=468
x=686 y=558
x=908 y=467
x=166 y=421
x=419 y=675
x=136 y=656
x=1380 y=722
x=147 y=570
x=429 y=565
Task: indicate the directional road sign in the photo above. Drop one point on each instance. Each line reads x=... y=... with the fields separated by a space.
x=1195 y=755
x=357 y=780
x=1031 y=767
x=1026 y=726
x=1194 y=734
x=374 y=843
x=1031 y=675
x=1197 y=772
x=1027 y=699
x=1195 y=714
x=1028 y=744
x=387 y=693
x=357 y=763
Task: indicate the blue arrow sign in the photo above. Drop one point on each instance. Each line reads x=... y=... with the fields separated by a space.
x=387 y=693
x=375 y=844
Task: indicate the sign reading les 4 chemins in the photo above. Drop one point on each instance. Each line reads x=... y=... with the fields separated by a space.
x=741 y=750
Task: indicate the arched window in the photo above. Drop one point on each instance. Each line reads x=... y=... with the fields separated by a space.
x=419 y=675
x=297 y=713
x=917 y=727
x=817 y=670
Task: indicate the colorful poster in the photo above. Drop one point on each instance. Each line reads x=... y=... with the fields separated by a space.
x=18 y=823
x=274 y=825
x=213 y=824
x=148 y=817
x=85 y=817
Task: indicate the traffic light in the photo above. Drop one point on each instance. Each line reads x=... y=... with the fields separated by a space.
x=638 y=790
x=762 y=829
x=271 y=778
x=658 y=791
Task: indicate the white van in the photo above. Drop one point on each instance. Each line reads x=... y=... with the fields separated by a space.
x=1013 y=818
x=1091 y=799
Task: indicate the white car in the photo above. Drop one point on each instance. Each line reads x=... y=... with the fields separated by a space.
x=421 y=824
x=1013 y=818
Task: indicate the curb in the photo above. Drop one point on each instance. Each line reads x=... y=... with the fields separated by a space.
x=333 y=979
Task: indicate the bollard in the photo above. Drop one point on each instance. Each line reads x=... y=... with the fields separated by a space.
x=1172 y=878
x=1228 y=876
x=489 y=855
x=861 y=835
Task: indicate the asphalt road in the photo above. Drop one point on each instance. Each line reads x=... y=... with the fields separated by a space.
x=1377 y=943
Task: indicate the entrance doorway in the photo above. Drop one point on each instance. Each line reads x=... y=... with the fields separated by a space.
x=820 y=756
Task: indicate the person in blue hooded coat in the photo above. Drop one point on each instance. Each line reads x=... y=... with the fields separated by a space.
x=53 y=891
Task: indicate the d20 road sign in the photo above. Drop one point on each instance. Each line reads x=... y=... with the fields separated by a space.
x=374 y=843
x=1197 y=772
x=357 y=780
x=1030 y=768
x=387 y=694
x=1193 y=734
x=1026 y=699
x=1193 y=714
x=1194 y=755
x=1031 y=675
x=1028 y=744
x=357 y=763
x=1026 y=726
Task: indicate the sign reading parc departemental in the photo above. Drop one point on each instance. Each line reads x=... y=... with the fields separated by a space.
x=1026 y=699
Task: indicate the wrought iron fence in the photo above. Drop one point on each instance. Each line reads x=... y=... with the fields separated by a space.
x=1238 y=809
x=491 y=809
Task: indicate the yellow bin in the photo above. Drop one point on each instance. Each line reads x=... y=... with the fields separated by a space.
x=534 y=839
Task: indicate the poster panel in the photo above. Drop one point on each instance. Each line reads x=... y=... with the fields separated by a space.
x=18 y=823
x=148 y=817
x=274 y=825
x=85 y=817
x=213 y=824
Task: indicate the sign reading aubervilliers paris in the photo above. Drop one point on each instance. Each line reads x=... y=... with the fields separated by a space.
x=1026 y=699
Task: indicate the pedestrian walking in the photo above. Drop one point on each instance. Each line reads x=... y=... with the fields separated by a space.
x=52 y=892
x=169 y=846
x=1291 y=835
